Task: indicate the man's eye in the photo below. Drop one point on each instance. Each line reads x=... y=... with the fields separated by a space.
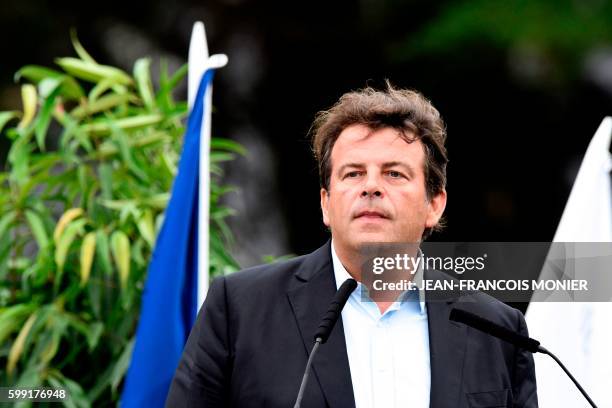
x=352 y=174
x=395 y=174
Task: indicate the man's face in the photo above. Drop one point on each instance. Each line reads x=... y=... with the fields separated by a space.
x=377 y=189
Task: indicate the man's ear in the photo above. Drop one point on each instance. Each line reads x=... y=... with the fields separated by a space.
x=436 y=208
x=324 y=206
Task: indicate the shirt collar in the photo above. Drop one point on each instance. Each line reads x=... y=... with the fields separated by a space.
x=341 y=275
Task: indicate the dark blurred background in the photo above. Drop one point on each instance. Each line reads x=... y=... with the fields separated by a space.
x=522 y=85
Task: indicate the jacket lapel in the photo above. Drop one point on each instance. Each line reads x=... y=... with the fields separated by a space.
x=315 y=288
x=447 y=346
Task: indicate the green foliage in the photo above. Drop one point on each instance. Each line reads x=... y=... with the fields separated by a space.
x=92 y=160
x=562 y=31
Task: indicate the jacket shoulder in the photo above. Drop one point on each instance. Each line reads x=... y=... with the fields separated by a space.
x=483 y=305
x=262 y=281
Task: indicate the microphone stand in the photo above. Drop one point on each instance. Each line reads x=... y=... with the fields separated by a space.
x=325 y=328
x=298 y=401
x=545 y=351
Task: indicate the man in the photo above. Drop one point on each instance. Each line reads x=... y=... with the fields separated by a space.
x=382 y=165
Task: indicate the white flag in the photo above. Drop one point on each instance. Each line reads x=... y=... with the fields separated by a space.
x=579 y=333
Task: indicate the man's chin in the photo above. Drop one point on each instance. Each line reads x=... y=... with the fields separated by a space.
x=371 y=237
x=361 y=238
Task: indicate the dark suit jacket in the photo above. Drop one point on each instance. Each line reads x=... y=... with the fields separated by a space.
x=251 y=340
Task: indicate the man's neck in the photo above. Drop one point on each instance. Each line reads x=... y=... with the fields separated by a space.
x=349 y=259
x=352 y=262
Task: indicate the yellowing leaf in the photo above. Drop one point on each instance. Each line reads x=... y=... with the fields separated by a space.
x=88 y=249
x=120 y=247
x=17 y=347
x=61 y=251
x=146 y=227
x=29 y=96
x=64 y=220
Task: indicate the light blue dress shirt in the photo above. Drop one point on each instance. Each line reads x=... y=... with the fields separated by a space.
x=388 y=353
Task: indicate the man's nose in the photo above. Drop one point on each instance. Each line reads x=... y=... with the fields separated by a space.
x=372 y=187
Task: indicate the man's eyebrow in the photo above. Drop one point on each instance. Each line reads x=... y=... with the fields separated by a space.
x=350 y=165
x=406 y=166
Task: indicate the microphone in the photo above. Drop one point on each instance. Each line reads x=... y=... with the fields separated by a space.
x=324 y=330
x=487 y=326
x=336 y=306
x=512 y=337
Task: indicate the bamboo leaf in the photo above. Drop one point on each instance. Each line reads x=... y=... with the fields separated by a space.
x=48 y=89
x=19 y=157
x=101 y=87
x=133 y=122
x=88 y=248
x=117 y=204
x=217 y=157
x=34 y=73
x=12 y=317
x=55 y=383
x=169 y=164
x=121 y=141
x=30 y=378
x=142 y=74
x=103 y=253
x=92 y=72
x=105 y=172
x=57 y=331
x=17 y=347
x=129 y=210
x=94 y=333
x=102 y=382
x=157 y=201
x=122 y=365
x=108 y=148
x=64 y=220
x=67 y=238
x=120 y=247
x=103 y=104
x=47 y=86
x=159 y=222
x=217 y=143
x=6 y=220
x=164 y=96
x=176 y=78
x=77 y=398
x=28 y=96
x=79 y=48
x=146 y=227
x=38 y=229
x=6 y=117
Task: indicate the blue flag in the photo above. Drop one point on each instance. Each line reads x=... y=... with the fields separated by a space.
x=169 y=302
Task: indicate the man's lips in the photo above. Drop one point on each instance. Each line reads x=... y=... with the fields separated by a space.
x=371 y=214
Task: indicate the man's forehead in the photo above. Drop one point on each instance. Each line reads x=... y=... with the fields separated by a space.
x=359 y=143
